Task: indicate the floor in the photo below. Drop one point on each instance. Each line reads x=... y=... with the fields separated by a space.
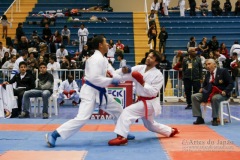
x=23 y=139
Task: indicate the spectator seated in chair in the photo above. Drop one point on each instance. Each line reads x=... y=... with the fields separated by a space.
x=68 y=90
x=219 y=84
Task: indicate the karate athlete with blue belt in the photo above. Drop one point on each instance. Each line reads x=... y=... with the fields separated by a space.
x=93 y=93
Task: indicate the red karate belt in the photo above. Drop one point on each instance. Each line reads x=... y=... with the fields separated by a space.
x=144 y=99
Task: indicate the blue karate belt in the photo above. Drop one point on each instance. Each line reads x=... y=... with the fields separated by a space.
x=102 y=91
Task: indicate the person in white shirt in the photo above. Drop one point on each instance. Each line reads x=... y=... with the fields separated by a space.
x=15 y=69
x=61 y=52
x=111 y=53
x=66 y=34
x=9 y=64
x=5 y=24
x=181 y=4
x=122 y=61
x=220 y=58
x=68 y=90
x=82 y=34
x=52 y=66
x=2 y=51
x=155 y=6
x=152 y=17
x=11 y=50
x=165 y=6
x=235 y=48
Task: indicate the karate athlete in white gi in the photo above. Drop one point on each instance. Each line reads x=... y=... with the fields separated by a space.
x=82 y=34
x=165 y=6
x=155 y=6
x=111 y=53
x=93 y=93
x=148 y=82
x=181 y=4
x=68 y=90
x=235 y=48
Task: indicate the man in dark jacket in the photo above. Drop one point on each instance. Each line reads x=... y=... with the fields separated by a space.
x=192 y=75
x=43 y=89
x=163 y=36
x=19 y=32
x=24 y=82
x=220 y=79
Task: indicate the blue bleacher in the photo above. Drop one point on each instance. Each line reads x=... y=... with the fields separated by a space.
x=180 y=29
x=118 y=27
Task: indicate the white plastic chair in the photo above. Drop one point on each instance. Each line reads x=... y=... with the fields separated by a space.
x=52 y=102
x=222 y=104
x=220 y=113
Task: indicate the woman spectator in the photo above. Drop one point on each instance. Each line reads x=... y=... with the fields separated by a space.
x=56 y=39
x=31 y=58
x=6 y=57
x=176 y=58
x=152 y=34
x=223 y=50
x=65 y=65
x=204 y=8
x=5 y=23
x=178 y=67
x=203 y=47
x=10 y=63
x=120 y=45
x=111 y=42
x=40 y=60
x=152 y=17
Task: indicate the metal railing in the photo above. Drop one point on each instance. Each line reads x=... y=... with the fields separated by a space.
x=5 y=74
x=146 y=19
x=11 y=7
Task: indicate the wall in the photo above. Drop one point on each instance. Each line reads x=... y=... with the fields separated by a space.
x=138 y=5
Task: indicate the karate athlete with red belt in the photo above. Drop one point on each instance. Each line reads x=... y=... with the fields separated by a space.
x=148 y=80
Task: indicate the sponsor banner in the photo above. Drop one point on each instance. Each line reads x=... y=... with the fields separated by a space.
x=119 y=94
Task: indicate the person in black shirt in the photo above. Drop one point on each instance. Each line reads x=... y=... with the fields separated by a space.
x=46 y=33
x=237 y=8
x=227 y=7
x=213 y=44
x=24 y=82
x=192 y=4
x=216 y=10
x=163 y=36
x=164 y=64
